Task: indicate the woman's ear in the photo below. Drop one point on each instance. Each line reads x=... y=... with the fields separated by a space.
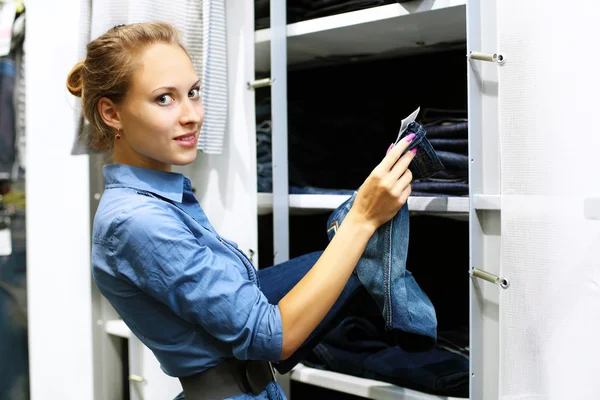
x=109 y=113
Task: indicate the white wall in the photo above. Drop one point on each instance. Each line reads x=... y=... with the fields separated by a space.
x=58 y=276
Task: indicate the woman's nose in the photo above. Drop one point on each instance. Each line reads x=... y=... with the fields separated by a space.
x=191 y=113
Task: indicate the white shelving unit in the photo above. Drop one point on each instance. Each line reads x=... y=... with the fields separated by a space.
x=358 y=386
x=387 y=31
x=311 y=203
x=117 y=327
x=394 y=28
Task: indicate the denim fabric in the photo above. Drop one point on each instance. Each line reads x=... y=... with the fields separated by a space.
x=407 y=311
x=434 y=371
x=454 y=160
x=447 y=129
x=278 y=280
x=357 y=346
x=458 y=145
x=426 y=162
x=316 y=190
x=455 y=340
x=415 y=193
x=450 y=175
x=275 y=283
x=449 y=188
x=346 y=347
x=157 y=278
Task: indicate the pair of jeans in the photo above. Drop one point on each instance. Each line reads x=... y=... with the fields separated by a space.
x=426 y=162
x=315 y=190
x=448 y=188
x=453 y=145
x=435 y=371
x=407 y=311
x=448 y=129
x=278 y=280
x=357 y=346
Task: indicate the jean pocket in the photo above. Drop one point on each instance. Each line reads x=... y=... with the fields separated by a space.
x=426 y=162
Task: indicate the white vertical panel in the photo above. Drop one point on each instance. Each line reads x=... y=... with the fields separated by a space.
x=549 y=143
x=484 y=178
x=58 y=249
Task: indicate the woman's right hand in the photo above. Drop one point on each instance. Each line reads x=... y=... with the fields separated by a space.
x=387 y=188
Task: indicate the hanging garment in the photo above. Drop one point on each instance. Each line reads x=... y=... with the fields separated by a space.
x=406 y=309
x=203 y=32
x=18 y=49
x=7 y=118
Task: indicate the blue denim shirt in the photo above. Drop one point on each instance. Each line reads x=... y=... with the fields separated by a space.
x=189 y=295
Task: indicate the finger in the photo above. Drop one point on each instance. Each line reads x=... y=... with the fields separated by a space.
x=402 y=165
x=395 y=152
x=403 y=182
x=405 y=193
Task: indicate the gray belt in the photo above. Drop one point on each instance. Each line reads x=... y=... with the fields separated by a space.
x=230 y=378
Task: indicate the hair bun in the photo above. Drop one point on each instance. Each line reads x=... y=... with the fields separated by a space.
x=75 y=80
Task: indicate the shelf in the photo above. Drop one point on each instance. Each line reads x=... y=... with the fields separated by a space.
x=311 y=203
x=486 y=202
x=358 y=386
x=394 y=28
x=117 y=327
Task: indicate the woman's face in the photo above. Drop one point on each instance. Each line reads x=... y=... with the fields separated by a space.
x=162 y=112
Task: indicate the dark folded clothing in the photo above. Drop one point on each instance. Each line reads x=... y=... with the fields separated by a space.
x=448 y=129
x=453 y=161
x=450 y=175
x=455 y=340
x=435 y=371
x=450 y=188
x=453 y=145
x=435 y=115
x=359 y=346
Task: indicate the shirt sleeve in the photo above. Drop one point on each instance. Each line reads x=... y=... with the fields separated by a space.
x=160 y=254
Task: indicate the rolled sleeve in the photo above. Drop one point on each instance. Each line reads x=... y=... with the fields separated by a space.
x=161 y=255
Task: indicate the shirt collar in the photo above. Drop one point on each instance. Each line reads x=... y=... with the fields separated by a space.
x=169 y=185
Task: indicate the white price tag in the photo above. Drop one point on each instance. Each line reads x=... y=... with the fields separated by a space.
x=407 y=121
x=8 y=12
x=5 y=242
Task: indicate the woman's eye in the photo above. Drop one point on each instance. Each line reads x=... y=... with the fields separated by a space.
x=194 y=93
x=164 y=100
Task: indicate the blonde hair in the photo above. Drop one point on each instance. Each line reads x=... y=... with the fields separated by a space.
x=108 y=69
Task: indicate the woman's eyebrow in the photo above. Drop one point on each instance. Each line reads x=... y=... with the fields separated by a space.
x=173 y=88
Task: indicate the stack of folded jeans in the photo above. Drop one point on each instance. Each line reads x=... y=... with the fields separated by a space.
x=301 y=10
x=324 y=151
x=319 y=151
x=359 y=346
x=447 y=132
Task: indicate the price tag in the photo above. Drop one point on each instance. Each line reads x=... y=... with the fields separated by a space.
x=407 y=121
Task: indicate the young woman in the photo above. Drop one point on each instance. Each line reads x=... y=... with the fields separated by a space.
x=188 y=294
